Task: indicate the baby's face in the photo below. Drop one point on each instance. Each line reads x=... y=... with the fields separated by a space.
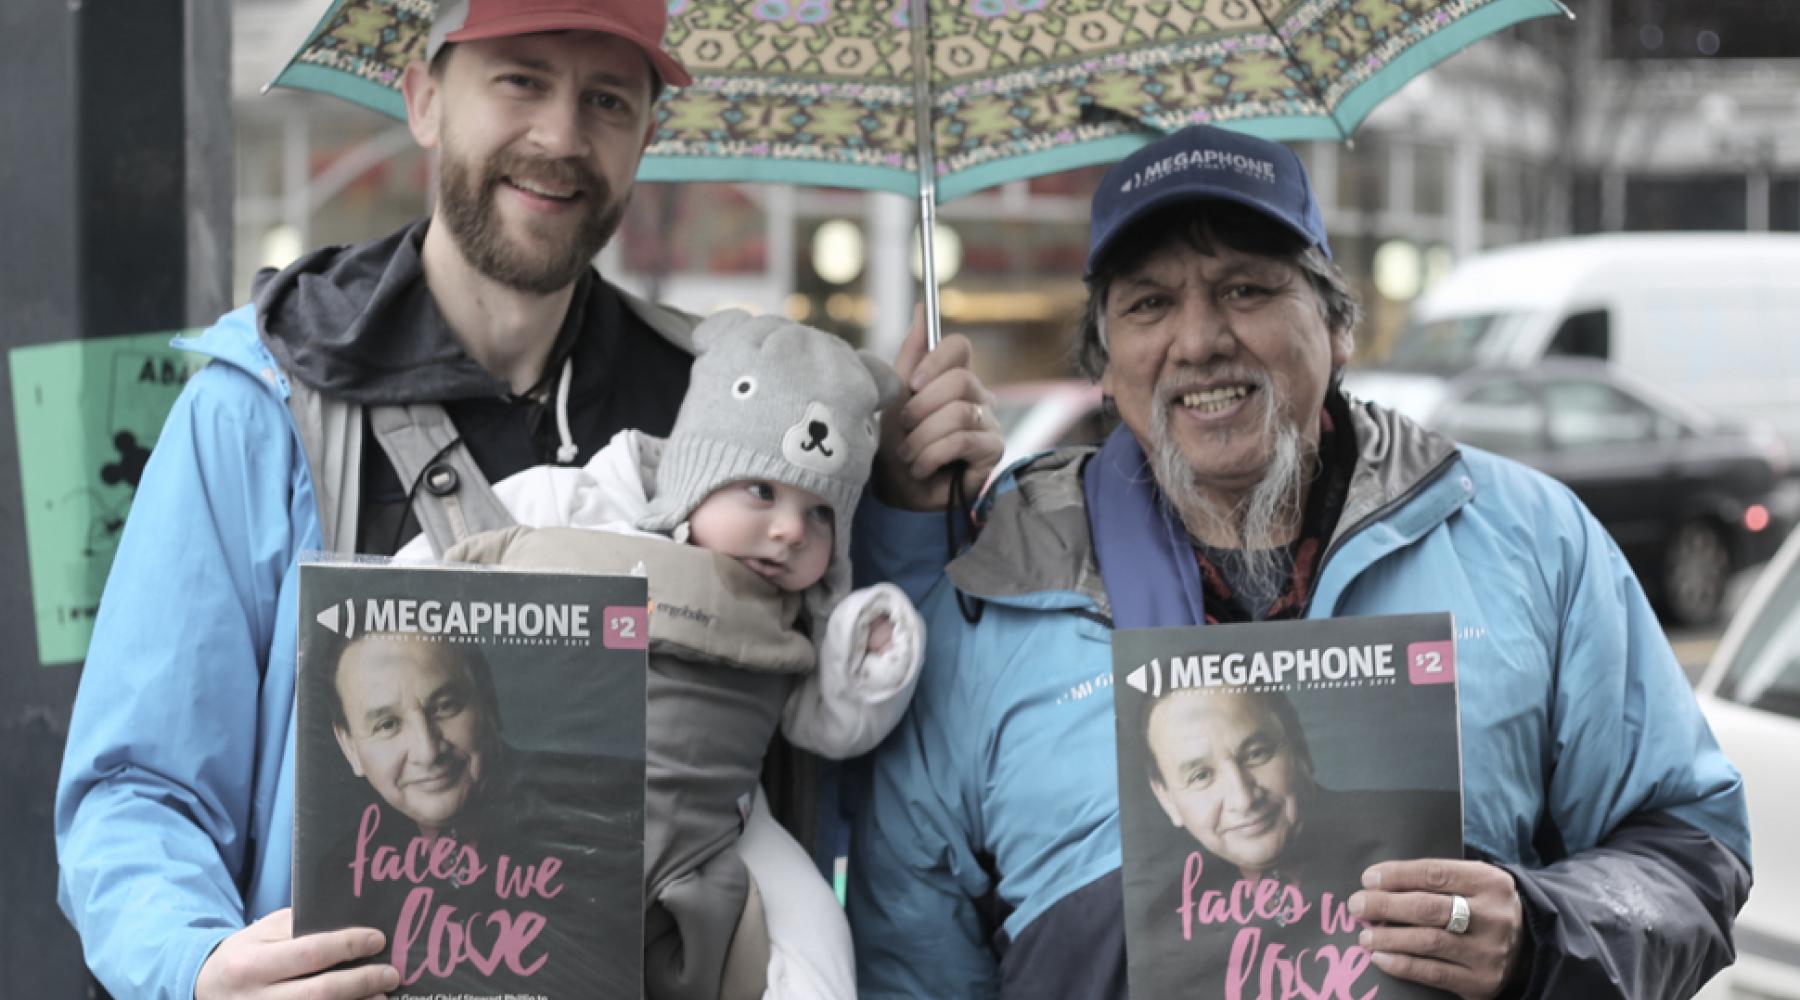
x=781 y=532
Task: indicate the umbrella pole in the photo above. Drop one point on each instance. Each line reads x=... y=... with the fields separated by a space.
x=919 y=14
x=957 y=514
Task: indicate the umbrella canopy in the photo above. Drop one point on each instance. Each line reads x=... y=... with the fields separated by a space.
x=839 y=93
x=823 y=91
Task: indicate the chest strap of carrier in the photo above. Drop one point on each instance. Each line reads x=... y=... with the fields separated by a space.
x=331 y=435
x=450 y=496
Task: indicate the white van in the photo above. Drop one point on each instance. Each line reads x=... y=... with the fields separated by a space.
x=1713 y=318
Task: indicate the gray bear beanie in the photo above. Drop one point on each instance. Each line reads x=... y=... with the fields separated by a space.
x=773 y=400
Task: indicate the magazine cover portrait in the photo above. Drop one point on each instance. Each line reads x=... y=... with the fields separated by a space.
x=470 y=776
x=1262 y=769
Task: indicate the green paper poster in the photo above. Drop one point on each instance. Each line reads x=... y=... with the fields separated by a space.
x=87 y=412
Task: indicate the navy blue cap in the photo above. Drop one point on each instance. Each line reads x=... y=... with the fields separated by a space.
x=1201 y=162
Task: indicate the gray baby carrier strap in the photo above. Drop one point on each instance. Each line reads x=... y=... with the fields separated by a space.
x=451 y=497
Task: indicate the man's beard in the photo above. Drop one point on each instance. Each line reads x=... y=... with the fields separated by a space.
x=1265 y=518
x=466 y=204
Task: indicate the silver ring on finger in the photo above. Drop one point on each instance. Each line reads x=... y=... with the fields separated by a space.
x=1459 y=915
x=979 y=416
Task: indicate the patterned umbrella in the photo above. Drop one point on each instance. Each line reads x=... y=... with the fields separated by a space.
x=822 y=91
x=832 y=92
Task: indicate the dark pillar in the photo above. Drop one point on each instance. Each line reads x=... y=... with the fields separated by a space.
x=115 y=216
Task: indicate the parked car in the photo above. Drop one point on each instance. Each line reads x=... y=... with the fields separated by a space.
x=1751 y=696
x=1701 y=314
x=1690 y=499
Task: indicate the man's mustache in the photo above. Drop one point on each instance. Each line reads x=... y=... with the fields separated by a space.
x=1189 y=376
x=568 y=173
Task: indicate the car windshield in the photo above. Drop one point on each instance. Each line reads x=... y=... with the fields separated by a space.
x=1446 y=345
x=1766 y=672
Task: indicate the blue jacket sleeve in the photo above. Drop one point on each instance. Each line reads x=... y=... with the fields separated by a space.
x=913 y=875
x=1647 y=915
x=1628 y=736
x=902 y=547
x=1645 y=833
x=153 y=805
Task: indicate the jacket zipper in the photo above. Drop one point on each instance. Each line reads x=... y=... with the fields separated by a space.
x=1104 y=621
x=1373 y=516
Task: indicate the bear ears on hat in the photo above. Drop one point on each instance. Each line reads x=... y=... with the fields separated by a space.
x=736 y=323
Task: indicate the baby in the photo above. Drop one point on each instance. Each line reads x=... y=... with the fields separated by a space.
x=740 y=521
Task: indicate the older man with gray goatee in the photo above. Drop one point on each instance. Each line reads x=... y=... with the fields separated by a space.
x=1605 y=844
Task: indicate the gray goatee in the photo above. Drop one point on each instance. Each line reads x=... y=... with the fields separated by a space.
x=1263 y=520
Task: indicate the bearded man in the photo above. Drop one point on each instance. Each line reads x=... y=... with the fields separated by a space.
x=367 y=392
x=1606 y=846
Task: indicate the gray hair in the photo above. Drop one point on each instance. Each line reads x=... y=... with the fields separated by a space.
x=1202 y=226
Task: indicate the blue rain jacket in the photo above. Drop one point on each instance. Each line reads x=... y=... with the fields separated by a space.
x=174 y=811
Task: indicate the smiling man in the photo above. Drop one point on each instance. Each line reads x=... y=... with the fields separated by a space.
x=1606 y=852
x=1232 y=771
x=368 y=393
x=1235 y=771
x=417 y=719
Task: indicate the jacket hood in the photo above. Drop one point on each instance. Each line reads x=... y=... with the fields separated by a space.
x=1035 y=539
x=358 y=323
x=1394 y=457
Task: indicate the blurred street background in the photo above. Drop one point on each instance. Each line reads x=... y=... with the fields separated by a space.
x=134 y=202
x=1636 y=116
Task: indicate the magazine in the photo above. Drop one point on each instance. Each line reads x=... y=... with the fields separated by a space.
x=470 y=776
x=1262 y=768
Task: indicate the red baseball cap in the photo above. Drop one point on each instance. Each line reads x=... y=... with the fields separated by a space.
x=640 y=22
